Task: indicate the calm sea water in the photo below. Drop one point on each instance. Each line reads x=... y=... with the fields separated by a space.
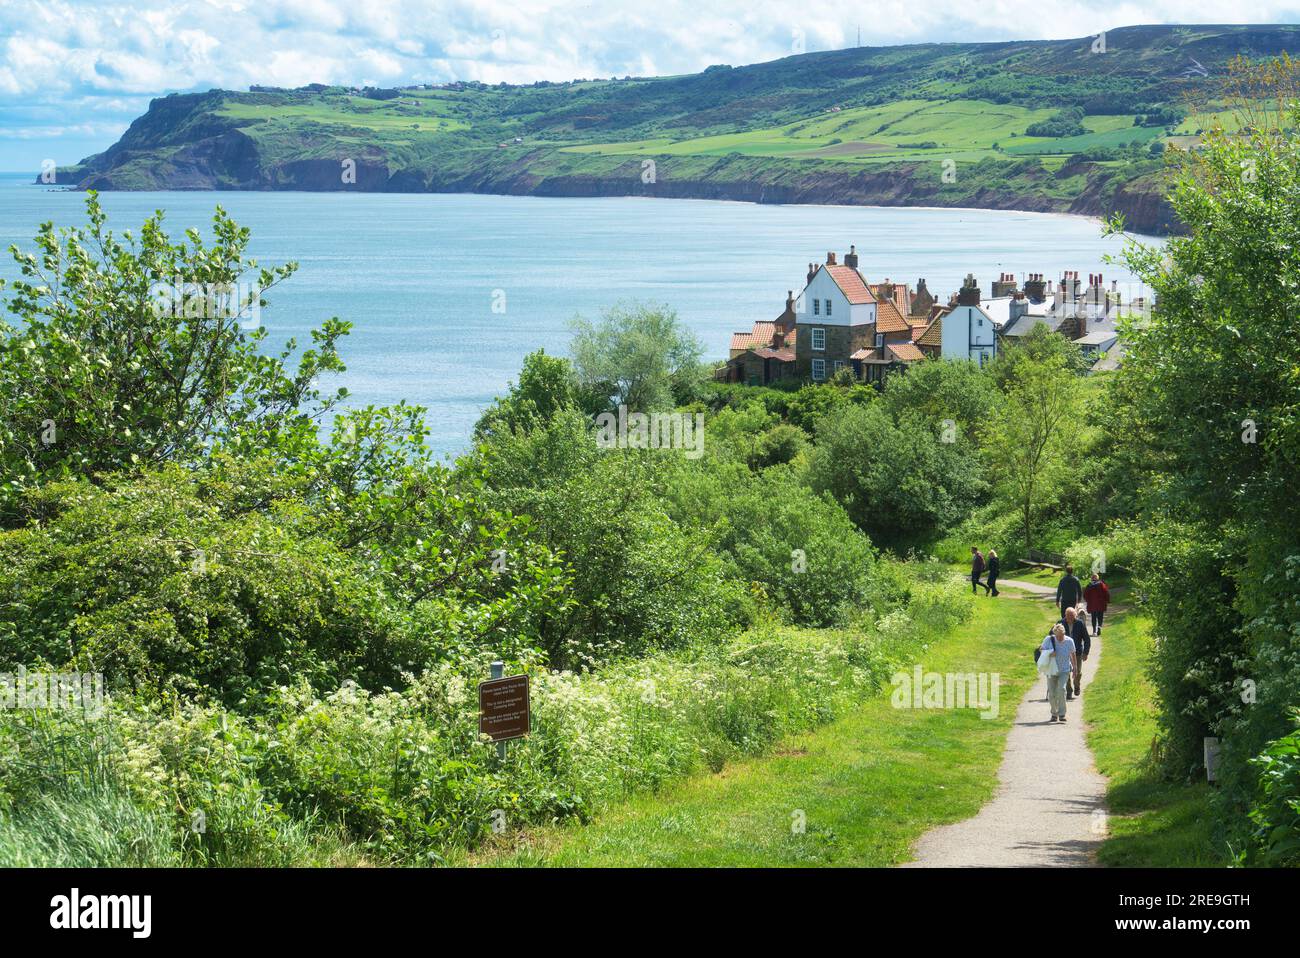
x=418 y=274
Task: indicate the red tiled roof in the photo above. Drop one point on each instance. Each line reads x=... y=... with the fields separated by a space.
x=784 y=355
x=850 y=283
x=906 y=352
x=760 y=335
x=933 y=335
x=889 y=319
x=901 y=296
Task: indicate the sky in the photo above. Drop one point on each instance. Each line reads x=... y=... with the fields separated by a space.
x=75 y=73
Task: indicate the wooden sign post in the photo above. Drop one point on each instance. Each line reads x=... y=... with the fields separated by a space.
x=503 y=705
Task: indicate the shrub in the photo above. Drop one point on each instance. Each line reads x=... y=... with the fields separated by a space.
x=1275 y=813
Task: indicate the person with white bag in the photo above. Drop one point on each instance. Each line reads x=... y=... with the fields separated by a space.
x=1057 y=663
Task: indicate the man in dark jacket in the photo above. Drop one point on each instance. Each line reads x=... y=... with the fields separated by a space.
x=976 y=567
x=1076 y=629
x=1068 y=591
x=995 y=569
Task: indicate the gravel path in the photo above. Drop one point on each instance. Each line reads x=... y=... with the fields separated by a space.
x=1049 y=808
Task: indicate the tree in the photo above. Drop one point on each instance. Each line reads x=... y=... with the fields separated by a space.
x=546 y=386
x=1212 y=398
x=135 y=351
x=956 y=391
x=1028 y=442
x=637 y=355
x=900 y=482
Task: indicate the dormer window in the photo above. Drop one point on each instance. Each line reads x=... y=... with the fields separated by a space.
x=819 y=339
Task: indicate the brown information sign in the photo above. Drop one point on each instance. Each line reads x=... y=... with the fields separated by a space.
x=503 y=708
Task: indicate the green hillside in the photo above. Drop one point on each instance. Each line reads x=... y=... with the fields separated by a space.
x=1045 y=125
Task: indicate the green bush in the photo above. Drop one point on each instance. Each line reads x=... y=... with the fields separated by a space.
x=898 y=481
x=1275 y=813
x=400 y=777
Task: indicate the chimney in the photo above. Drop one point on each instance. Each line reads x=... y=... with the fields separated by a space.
x=922 y=301
x=830 y=259
x=970 y=292
x=1005 y=285
x=1036 y=288
x=886 y=290
x=851 y=257
x=1018 y=306
x=812 y=271
x=788 y=319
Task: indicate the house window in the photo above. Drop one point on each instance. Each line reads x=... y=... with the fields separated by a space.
x=828 y=307
x=819 y=369
x=819 y=339
x=880 y=340
x=839 y=364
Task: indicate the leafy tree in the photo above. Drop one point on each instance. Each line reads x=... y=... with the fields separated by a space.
x=938 y=391
x=1212 y=399
x=900 y=482
x=637 y=355
x=1029 y=442
x=639 y=580
x=108 y=368
x=546 y=386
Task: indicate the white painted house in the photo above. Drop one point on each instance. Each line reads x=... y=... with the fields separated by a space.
x=968 y=331
x=836 y=296
x=835 y=316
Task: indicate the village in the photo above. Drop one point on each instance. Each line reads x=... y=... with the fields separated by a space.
x=842 y=324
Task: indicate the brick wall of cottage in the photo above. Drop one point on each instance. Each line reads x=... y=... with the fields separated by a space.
x=841 y=342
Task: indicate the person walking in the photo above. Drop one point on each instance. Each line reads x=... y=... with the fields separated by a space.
x=976 y=567
x=1061 y=647
x=995 y=569
x=1068 y=591
x=1096 y=595
x=1077 y=632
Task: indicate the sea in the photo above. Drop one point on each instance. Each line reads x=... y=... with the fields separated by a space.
x=448 y=292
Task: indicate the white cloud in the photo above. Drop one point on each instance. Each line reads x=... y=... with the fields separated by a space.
x=90 y=57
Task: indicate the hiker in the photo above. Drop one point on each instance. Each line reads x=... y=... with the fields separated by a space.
x=1096 y=595
x=1068 y=591
x=976 y=567
x=1062 y=646
x=1077 y=632
x=995 y=568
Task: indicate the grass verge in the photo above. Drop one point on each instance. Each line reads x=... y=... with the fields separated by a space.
x=864 y=787
x=1153 y=823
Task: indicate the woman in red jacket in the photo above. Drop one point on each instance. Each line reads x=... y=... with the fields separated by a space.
x=1097 y=596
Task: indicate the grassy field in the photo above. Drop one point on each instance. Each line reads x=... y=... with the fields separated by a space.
x=865 y=787
x=961 y=129
x=423 y=115
x=1153 y=823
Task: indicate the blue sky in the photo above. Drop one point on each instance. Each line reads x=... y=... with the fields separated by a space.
x=74 y=73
